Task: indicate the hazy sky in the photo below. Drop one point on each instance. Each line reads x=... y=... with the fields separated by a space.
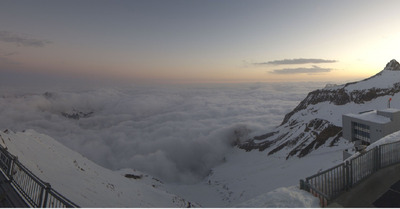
x=199 y=40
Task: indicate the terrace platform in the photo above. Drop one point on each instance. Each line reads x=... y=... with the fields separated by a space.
x=381 y=189
x=9 y=198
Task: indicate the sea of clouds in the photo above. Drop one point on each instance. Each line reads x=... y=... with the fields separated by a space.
x=174 y=132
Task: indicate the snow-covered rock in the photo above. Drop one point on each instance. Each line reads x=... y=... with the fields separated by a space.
x=316 y=122
x=82 y=181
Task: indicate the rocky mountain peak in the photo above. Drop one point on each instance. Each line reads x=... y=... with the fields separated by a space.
x=393 y=65
x=316 y=121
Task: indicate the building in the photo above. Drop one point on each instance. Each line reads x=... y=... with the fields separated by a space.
x=369 y=126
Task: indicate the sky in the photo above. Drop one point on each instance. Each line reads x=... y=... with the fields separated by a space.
x=198 y=41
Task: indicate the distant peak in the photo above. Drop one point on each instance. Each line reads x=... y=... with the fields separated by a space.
x=393 y=65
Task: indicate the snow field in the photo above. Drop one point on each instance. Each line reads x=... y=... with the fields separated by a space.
x=80 y=180
x=247 y=175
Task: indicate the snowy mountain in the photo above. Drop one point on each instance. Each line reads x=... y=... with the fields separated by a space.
x=84 y=182
x=311 y=131
x=316 y=122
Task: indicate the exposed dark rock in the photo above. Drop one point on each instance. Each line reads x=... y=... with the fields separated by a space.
x=341 y=97
x=363 y=96
x=76 y=115
x=250 y=144
x=133 y=176
x=316 y=130
x=48 y=95
x=337 y=97
x=320 y=139
x=286 y=144
x=265 y=146
x=336 y=140
x=393 y=65
x=264 y=136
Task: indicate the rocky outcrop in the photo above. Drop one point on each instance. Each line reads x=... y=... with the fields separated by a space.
x=393 y=65
x=313 y=135
x=337 y=97
x=341 y=97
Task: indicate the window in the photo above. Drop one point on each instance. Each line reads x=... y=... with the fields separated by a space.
x=361 y=132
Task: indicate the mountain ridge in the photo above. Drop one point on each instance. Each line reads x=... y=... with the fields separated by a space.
x=316 y=120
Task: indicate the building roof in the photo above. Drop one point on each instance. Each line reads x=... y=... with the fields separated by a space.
x=390 y=110
x=371 y=116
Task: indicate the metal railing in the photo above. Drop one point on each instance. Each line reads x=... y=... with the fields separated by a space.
x=33 y=190
x=329 y=184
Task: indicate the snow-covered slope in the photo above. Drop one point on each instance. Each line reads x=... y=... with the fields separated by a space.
x=248 y=175
x=82 y=181
x=316 y=122
x=89 y=185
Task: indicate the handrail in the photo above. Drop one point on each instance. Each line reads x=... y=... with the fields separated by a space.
x=324 y=199
x=323 y=172
x=31 y=188
x=330 y=183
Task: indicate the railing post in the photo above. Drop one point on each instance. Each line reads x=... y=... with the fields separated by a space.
x=307 y=186
x=11 y=167
x=42 y=191
x=376 y=159
x=349 y=177
x=344 y=176
x=46 y=194
x=303 y=185
x=378 y=150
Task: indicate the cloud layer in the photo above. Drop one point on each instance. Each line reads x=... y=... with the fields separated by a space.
x=296 y=61
x=22 y=40
x=315 y=69
x=177 y=133
x=4 y=60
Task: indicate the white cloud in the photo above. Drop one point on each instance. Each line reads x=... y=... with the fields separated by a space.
x=314 y=69
x=177 y=133
x=22 y=40
x=296 y=61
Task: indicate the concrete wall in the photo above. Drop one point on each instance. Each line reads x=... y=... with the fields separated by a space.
x=377 y=132
x=346 y=125
x=393 y=126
